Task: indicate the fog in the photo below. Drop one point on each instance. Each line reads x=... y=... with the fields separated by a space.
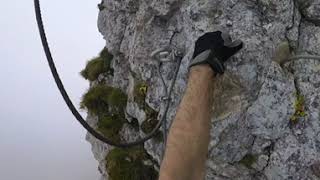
x=39 y=137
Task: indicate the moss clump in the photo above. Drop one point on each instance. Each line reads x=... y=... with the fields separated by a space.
x=100 y=97
x=248 y=160
x=96 y=99
x=107 y=58
x=129 y=164
x=150 y=123
x=108 y=104
x=97 y=66
x=140 y=93
x=110 y=126
x=150 y=113
x=117 y=100
x=93 y=69
x=299 y=109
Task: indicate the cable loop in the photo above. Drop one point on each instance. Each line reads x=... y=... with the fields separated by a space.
x=71 y=106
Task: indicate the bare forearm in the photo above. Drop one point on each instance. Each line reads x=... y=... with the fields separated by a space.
x=189 y=136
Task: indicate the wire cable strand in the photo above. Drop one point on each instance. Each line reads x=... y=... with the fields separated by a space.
x=297 y=57
x=177 y=54
x=69 y=103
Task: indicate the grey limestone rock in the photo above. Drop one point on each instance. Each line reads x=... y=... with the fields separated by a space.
x=254 y=134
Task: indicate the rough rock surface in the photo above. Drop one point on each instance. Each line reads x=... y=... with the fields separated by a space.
x=255 y=132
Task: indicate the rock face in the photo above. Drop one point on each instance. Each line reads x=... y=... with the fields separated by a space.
x=266 y=122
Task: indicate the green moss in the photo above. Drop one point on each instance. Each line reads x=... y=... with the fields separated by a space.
x=100 y=97
x=107 y=58
x=140 y=93
x=150 y=113
x=97 y=66
x=110 y=126
x=248 y=160
x=150 y=123
x=127 y=164
x=108 y=104
x=93 y=69
x=299 y=109
x=96 y=99
x=117 y=99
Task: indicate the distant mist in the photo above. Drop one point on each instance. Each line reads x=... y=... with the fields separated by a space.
x=39 y=138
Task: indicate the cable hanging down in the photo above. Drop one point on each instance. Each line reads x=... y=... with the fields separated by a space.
x=175 y=55
x=72 y=108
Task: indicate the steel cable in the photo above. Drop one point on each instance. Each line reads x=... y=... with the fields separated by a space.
x=69 y=103
x=297 y=57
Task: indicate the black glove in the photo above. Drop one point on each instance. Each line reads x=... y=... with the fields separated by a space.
x=215 y=48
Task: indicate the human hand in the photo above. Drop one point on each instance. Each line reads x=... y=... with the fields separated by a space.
x=215 y=48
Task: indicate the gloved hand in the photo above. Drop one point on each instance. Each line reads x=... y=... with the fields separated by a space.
x=215 y=48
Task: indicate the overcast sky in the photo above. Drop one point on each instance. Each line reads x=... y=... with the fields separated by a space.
x=39 y=138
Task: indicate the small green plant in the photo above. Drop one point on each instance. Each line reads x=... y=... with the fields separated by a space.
x=150 y=113
x=148 y=125
x=108 y=103
x=101 y=97
x=129 y=164
x=96 y=99
x=107 y=58
x=93 y=69
x=248 y=160
x=98 y=65
x=151 y=122
x=110 y=126
x=117 y=100
x=140 y=93
x=299 y=109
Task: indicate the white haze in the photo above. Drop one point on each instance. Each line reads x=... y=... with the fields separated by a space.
x=39 y=138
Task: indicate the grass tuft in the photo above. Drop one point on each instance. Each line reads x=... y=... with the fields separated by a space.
x=98 y=65
x=299 y=109
x=129 y=164
x=96 y=99
x=117 y=99
x=93 y=69
x=150 y=123
x=140 y=93
x=110 y=126
x=108 y=104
